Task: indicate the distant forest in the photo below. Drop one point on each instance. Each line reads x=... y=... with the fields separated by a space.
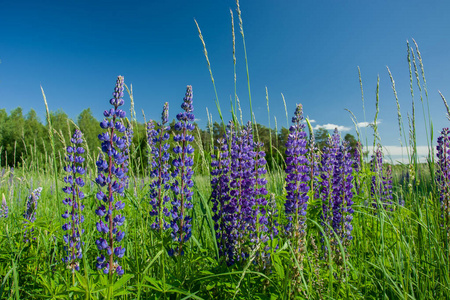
x=25 y=137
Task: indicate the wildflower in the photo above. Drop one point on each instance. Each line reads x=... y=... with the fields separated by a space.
x=381 y=187
x=297 y=178
x=220 y=198
x=111 y=173
x=4 y=208
x=247 y=191
x=298 y=171
x=182 y=174
x=30 y=211
x=336 y=193
x=268 y=232
x=242 y=190
x=443 y=177
x=75 y=195
x=160 y=182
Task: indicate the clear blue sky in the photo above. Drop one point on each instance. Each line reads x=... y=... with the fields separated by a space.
x=307 y=50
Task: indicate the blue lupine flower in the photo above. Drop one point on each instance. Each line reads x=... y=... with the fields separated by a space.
x=220 y=198
x=30 y=212
x=4 y=208
x=238 y=196
x=73 y=200
x=160 y=183
x=335 y=190
x=297 y=179
x=443 y=177
x=112 y=169
x=182 y=174
x=381 y=187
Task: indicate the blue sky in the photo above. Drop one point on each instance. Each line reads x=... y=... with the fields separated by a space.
x=307 y=50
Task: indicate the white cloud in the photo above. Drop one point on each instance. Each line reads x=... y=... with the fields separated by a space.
x=397 y=150
x=397 y=154
x=367 y=124
x=329 y=126
x=312 y=121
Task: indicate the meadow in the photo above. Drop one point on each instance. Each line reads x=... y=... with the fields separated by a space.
x=117 y=209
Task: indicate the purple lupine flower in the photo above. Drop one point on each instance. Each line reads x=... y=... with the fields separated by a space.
x=297 y=179
x=182 y=174
x=336 y=192
x=220 y=197
x=73 y=215
x=242 y=189
x=357 y=157
x=443 y=177
x=112 y=174
x=160 y=182
x=263 y=231
x=4 y=208
x=247 y=191
x=30 y=211
x=381 y=184
x=242 y=218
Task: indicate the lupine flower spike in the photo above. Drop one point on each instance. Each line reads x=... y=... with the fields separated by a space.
x=182 y=174
x=112 y=174
x=75 y=182
x=242 y=191
x=159 y=173
x=4 y=208
x=297 y=179
x=220 y=198
x=381 y=187
x=30 y=212
x=443 y=179
x=298 y=172
x=336 y=194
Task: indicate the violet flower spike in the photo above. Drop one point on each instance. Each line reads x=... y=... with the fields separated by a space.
x=443 y=178
x=220 y=198
x=182 y=174
x=244 y=212
x=75 y=169
x=297 y=179
x=160 y=176
x=381 y=187
x=112 y=170
x=335 y=190
x=30 y=211
x=4 y=208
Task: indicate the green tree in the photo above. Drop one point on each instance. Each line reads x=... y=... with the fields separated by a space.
x=321 y=136
x=352 y=142
x=12 y=136
x=62 y=131
x=33 y=133
x=90 y=128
